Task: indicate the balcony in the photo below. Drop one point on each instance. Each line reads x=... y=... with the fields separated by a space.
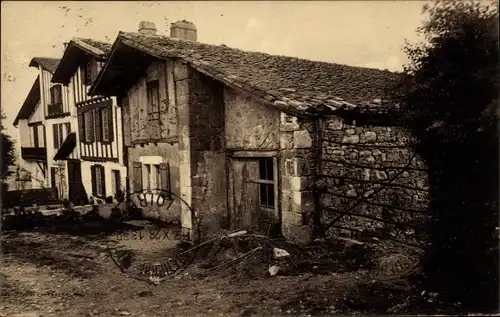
x=34 y=153
x=55 y=110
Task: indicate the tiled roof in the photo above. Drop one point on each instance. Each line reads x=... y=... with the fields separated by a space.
x=48 y=63
x=30 y=102
x=287 y=82
x=73 y=54
x=98 y=47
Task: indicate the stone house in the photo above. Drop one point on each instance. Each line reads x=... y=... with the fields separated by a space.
x=252 y=140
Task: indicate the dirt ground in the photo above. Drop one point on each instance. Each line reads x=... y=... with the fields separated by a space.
x=50 y=273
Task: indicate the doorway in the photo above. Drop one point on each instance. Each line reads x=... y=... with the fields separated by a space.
x=254 y=190
x=77 y=193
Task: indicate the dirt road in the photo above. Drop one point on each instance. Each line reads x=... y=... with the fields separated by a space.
x=56 y=274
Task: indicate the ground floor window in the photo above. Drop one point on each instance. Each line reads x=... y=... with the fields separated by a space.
x=266 y=182
x=151 y=177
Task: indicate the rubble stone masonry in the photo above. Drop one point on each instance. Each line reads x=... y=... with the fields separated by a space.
x=375 y=163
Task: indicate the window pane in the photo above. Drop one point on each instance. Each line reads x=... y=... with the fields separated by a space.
x=263 y=194
x=262 y=169
x=269 y=169
x=270 y=195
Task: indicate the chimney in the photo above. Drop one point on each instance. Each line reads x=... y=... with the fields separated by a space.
x=183 y=30
x=147 y=28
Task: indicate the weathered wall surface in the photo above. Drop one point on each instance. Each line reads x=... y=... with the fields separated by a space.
x=298 y=164
x=147 y=138
x=170 y=154
x=357 y=162
x=249 y=124
x=207 y=155
x=142 y=129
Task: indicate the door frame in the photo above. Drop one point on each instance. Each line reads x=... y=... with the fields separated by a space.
x=276 y=178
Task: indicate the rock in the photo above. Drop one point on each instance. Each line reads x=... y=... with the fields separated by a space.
x=351 y=193
x=273 y=270
x=302 y=139
x=124 y=313
x=280 y=253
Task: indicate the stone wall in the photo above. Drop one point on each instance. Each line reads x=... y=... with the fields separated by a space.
x=207 y=155
x=250 y=125
x=298 y=166
x=357 y=162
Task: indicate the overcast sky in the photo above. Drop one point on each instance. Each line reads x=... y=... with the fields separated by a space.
x=360 y=33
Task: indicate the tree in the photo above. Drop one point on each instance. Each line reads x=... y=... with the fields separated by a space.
x=8 y=155
x=450 y=97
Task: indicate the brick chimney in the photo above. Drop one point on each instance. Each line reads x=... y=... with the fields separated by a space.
x=183 y=30
x=147 y=28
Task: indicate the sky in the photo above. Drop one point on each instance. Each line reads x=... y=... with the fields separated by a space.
x=358 y=33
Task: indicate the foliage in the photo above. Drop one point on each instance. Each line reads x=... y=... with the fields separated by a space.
x=450 y=96
x=7 y=148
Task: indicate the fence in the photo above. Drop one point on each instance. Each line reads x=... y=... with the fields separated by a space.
x=30 y=197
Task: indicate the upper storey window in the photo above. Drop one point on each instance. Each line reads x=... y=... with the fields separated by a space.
x=89 y=71
x=56 y=94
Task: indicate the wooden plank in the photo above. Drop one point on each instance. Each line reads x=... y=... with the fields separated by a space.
x=254 y=154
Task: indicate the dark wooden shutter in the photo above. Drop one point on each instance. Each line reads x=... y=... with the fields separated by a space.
x=81 y=127
x=103 y=181
x=93 y=179
x=165 y=176
x=98 y=119
x=55 y=135
x=92 y=126
x=51 y=90
x=137 y=177
x=111 y=134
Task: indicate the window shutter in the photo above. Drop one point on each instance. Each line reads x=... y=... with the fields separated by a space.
x=81 y=128
x=92 y=125
x=137 y=180
x=93 y=179
x=98 y=119
x=52 y=97
x=165 y=176
x=103 y=181
x=55 y=135
x=110 y=124
x=35 y=136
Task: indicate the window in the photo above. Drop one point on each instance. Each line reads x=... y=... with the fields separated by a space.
x=35 y=138
x=266 y=183
x=60 y=132
x=155 y=176
x=148 y=176
x=89 y=72
x=116 y=181
x=153 y=100
x=98 y=181
x=56 y=94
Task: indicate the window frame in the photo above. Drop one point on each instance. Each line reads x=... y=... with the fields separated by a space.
x=53 y=89
x=266 y=183
x=153 y=94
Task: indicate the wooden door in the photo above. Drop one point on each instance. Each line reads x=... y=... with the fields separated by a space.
x=77 y=193
x=53 y=182
x=250 y=191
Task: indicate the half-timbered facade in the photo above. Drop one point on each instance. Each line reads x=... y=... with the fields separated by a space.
x=31 y=142
x=56 y=110
x=98 y=138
